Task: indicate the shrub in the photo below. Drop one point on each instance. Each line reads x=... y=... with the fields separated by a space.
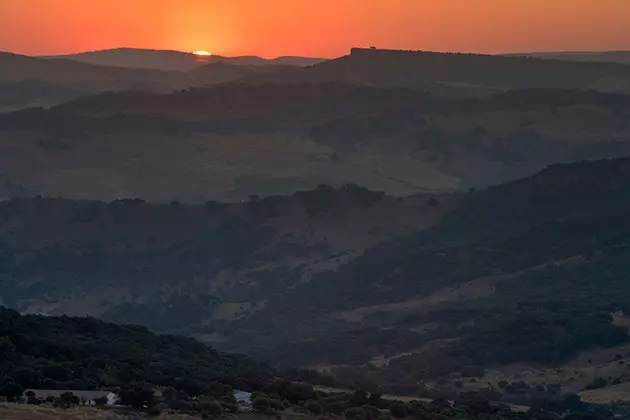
x=261 y=403
x=314 y=407
x=597 y=383
x=399 y=410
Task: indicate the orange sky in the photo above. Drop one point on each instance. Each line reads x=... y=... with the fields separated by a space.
x=313 y=27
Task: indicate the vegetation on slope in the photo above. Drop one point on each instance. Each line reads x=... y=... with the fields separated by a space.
x=84 y=353
x=175 y=267
x=234 y=140
x=524 y=272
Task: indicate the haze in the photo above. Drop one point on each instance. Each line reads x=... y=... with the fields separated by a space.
x=325 y=28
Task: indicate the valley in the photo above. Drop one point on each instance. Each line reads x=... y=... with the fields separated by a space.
x=386 y=234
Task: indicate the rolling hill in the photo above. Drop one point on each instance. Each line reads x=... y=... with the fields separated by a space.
x=466 y=74
x=515 y=283
x=71 y=74
x=174 y=60
x=85 y=353
x=524 y=281
x=233 y=140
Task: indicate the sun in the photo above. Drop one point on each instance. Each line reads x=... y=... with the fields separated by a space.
x=202 y=53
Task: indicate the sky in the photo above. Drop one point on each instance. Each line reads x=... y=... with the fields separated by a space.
x=322 y=28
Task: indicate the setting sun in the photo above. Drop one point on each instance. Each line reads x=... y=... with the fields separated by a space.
x=202 y=53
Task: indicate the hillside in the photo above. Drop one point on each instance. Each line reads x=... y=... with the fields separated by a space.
x=481 y=73
x=84 y=353
x=524 y=281
x=171 y=377
x=622 y=57
x=28 y=94
x=135 y=58
x=514 y=284
x=175 y=266
x=174 y=60
x=71 y=74
x=234 y=140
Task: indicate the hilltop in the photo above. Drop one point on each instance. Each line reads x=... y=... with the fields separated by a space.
x=472 y=73
x=622 y=57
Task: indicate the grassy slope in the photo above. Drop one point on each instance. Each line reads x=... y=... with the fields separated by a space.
x=229 y=142
x=120 y=260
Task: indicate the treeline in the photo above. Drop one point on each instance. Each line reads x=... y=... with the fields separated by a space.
x=84 y=353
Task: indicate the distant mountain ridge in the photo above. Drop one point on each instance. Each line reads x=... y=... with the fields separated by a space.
x=621 y=56
x=171 y=60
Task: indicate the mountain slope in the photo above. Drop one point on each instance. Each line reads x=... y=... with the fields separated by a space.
x=420 y=69
x=119 y=260
x=528 y=272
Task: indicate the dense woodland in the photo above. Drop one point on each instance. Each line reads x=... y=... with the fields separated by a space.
x=84 y=353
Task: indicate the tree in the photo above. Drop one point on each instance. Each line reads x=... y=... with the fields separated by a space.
x=68 y=399
x=261 y=403
x=358 y=399
x=335 y=407
x=399 y=410
x=11 y=391
x=140 y=396
x=157 y=409
x=7 y=349
x=210 y=406
x=353 y=413
x=597 y=383
x=314 y=407
x=169 y=393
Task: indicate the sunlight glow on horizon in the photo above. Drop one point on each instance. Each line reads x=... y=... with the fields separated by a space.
x=202 y=53
x=327 y=28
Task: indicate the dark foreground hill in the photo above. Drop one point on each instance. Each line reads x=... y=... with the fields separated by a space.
x=84 y=353
x=192 y=379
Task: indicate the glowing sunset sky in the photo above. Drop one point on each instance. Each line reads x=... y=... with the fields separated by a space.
x=313 y=27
